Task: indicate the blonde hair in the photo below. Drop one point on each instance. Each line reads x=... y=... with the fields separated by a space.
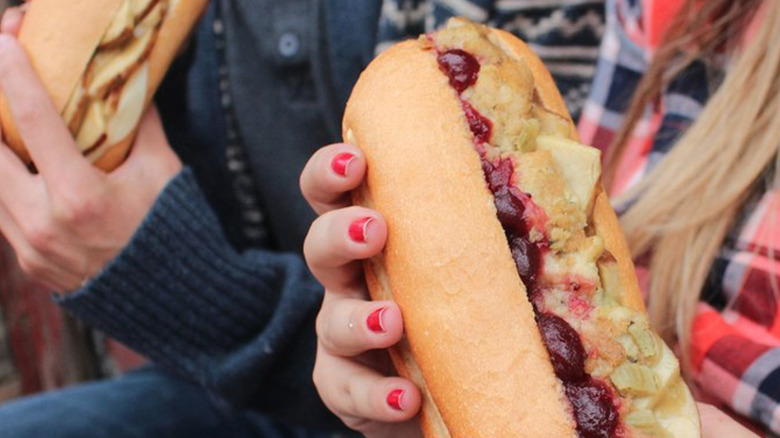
x=685 y=207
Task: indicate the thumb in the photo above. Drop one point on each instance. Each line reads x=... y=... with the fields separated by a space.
x=12 y=20
x=151 y=148
x=717 y=424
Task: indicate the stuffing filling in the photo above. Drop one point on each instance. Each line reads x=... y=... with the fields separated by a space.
x=612 y=367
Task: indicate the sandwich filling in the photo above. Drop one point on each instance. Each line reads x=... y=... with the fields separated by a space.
x=108 y=102
x=617 y=376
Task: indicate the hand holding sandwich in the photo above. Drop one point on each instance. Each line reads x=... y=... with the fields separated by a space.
x=77 y=79
x=66 y=221
x=352 y=377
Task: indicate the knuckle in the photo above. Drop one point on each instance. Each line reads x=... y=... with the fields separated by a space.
x=313 y=243
x=30 y=264
x=351 y=391
x=355 y=423
x=169 y=164
x=325 y=331
x=318 y=376
x=323 y=382
x=320 y=325
x=39 y=234
x=75 y=208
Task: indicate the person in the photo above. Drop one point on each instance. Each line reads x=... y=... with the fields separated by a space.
x=190 y=252
x=692 y=163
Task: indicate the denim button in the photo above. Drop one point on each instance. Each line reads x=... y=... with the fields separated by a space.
x=289 y=44
x=218 y=27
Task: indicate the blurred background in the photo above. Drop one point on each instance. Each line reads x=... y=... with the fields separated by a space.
x=41 y=347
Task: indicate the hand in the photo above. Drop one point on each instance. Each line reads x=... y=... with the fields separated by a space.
x=716 y=424
x=350 y=374
x=66 y=222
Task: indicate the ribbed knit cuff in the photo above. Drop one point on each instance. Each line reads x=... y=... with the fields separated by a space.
x=180 y=294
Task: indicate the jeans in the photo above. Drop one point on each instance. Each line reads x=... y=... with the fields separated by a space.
x=147 y=403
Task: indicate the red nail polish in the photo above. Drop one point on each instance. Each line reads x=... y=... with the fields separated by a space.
x=358 y=230
x=341 y=163
x=375 y=322
x=395 y=399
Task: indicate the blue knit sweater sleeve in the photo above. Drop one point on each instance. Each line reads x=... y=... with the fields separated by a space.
x=240 y=324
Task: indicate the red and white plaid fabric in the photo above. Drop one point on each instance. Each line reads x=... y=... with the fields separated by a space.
x=737 y=329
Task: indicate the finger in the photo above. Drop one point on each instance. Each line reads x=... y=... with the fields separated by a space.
x=60 y=281
x=12 y=21
x=349 y=327
x=151 y=135
x=717 y=424
x=339 y=238
x=35 y=266
x=11 y=232
x=151 y=151
x=16 y=177
x=20 y=191
x=359 y=393
x=330 y=174
x=39 y=123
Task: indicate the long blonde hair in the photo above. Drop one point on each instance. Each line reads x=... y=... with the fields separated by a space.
x=687 y=204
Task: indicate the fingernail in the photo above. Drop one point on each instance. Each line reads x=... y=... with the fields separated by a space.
x=358 y=230
x=395 y=399
x=341 y=163
x=375 y=320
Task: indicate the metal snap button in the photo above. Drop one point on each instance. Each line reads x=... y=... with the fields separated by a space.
x=289 y=44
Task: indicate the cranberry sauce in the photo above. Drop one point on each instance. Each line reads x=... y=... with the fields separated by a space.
x=480 y=126
x=512 y=207
x=594 y=409
x=564 y=346
x=461 y=67
x=592 y=402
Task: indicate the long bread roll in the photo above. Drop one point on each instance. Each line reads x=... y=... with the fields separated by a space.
x=101 y=62
x=522 y=312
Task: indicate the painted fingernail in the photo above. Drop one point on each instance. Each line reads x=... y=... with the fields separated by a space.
x=375 y=320
x=341 y=163
x=358 y=230
x=396 y=399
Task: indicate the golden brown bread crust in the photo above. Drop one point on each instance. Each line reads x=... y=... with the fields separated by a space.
x=114 y=156
x=60 y=42
x=481 y=296
x=58 y=53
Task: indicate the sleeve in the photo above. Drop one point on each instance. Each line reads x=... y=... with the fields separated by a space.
x=621 y=63
x=735 y=341
x=239 y=324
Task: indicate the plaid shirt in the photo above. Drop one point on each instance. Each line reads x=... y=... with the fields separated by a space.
x=736 y=332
